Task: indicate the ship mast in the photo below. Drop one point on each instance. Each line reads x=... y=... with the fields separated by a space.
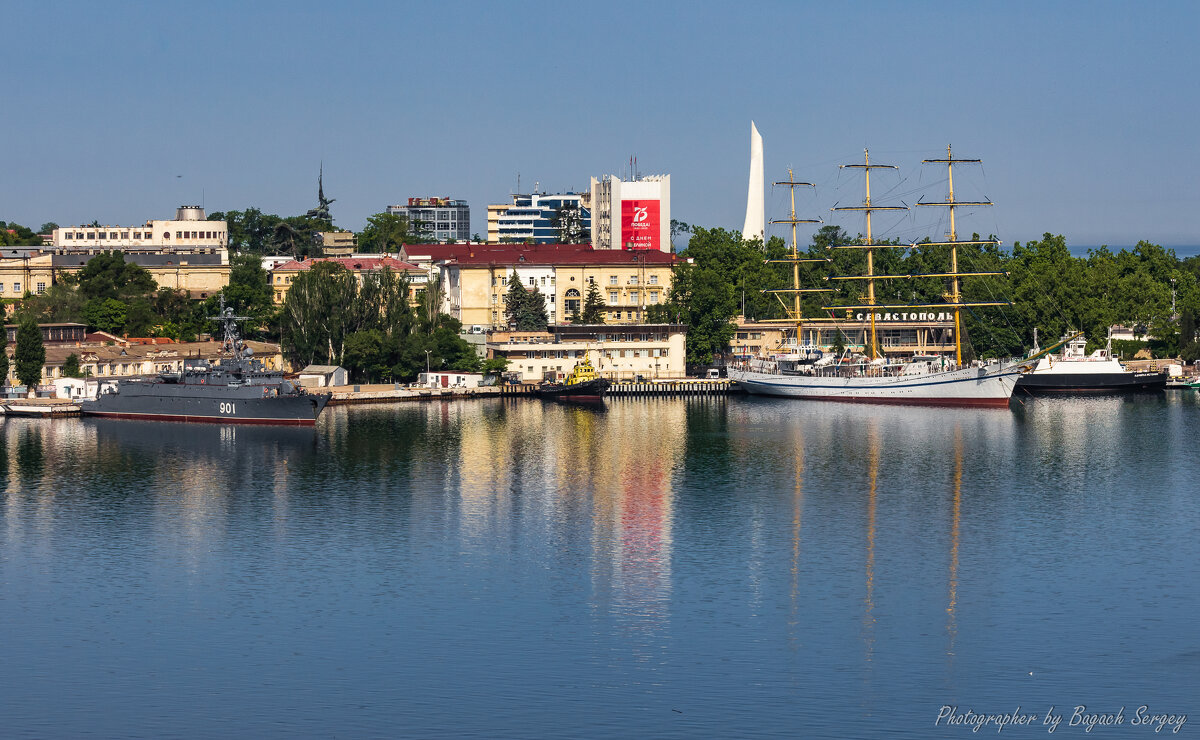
x=793 y=258
x=955 y=295
x=868 y=208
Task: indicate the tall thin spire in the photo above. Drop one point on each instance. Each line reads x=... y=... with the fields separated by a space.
x=755 y=227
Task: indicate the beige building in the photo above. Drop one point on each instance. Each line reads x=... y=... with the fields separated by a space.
x=476 y=279
x=28 y=271
x=651 y=351
x=898 y=334
x=200 y=274
x=338 y=243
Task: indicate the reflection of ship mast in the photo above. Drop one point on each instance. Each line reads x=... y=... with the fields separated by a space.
x=793 y=258
x=872 y=483
x=797 y=515
x=956 y=511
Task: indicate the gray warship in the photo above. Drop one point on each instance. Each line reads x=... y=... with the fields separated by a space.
x=235 y=389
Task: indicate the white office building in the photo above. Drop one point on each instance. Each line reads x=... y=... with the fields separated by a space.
x=633 y=215
x=189 y=231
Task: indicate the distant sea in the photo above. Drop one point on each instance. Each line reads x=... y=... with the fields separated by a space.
x=1180 y=251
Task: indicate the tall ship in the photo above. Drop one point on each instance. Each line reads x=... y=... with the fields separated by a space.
x=1075 y=371
x=803 y=370
x=235 y=389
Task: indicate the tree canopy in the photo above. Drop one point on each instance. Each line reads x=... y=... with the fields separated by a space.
x=525 y=309
x=29 y=357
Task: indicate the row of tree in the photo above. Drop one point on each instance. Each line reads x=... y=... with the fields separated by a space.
x=1043 y=285
x=371 y=328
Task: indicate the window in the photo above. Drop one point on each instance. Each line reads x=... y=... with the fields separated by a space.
x=16 y=287
x=654 y=296
x=533 y=282
x=543 y=280
x=124 y=234
x=612 y=297
x=91 y=235
x=1 y=287
x=633 y=280
x=654 y=279
x=69 y=235
x=41 y=288
x=612 y=279
x=571 y=302
x=137 y=235
x=178 y=235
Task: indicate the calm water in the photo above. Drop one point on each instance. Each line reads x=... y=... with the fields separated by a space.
x=667 y=569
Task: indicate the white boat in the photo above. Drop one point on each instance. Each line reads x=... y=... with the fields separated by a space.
x=1075 y=371
x=793 y=372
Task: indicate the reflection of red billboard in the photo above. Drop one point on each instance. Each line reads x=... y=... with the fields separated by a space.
x=639 y=224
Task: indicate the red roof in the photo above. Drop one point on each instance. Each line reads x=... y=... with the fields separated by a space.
x=535 y=254
x=354 y=264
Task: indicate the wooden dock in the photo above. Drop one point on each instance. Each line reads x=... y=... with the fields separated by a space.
x=38 y=407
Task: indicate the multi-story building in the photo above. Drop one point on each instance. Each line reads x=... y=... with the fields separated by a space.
x=282 y=276
x=475 y=279
x=190 y=231
x=541 y=218
x=442 y=219
x=652 y=351
x=633 y=215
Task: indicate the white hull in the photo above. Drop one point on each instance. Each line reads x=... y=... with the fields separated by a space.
x=990 y=385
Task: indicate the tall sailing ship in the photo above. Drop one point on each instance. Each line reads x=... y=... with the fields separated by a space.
x=802 y=370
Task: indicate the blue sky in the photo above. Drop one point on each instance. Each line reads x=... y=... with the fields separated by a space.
x=1086 y=114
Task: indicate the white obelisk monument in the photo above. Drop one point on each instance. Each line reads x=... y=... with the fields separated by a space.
x=755 y=226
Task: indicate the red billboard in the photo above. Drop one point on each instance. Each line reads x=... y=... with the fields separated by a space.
x=639 y=224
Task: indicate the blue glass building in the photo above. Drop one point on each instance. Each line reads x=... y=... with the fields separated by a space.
x=545 y=219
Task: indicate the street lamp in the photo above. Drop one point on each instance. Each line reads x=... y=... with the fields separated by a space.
x=427 y=365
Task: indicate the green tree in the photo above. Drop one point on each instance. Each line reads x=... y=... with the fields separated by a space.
x=386 y=232
x=525 y=310
x=317 y=314
x=29 y=357
x=70 y=367
x=106 y=314
x=593 y=306
x=108 y=275
x=4 y=365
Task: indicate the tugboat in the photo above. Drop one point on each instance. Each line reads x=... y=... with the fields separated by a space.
x=583 y=384
x=236 y=389
x=1077 y=372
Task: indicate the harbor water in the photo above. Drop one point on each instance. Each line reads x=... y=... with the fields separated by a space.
x=667 y=568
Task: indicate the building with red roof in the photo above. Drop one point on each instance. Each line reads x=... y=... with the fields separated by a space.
x=284 y=275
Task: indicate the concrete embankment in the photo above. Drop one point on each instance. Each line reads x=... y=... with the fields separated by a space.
x=390 y=393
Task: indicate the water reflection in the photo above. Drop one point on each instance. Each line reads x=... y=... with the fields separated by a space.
x=515 y=568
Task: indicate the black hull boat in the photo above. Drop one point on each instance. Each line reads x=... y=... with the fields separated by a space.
x=583 y=385
x=587 y=391
x=1082 y=383
x=1075 y=372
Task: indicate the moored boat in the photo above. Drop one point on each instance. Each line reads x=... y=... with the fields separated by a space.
x=235 y=389
x=582 y=384
x=869 y=377
x=1074 y=371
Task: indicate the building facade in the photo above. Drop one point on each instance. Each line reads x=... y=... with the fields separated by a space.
x=627 y=352
x=189 y=231
x=900 y=335
x=475 y=281
x=634 y=215
x=541 y=218
x=442 y=219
